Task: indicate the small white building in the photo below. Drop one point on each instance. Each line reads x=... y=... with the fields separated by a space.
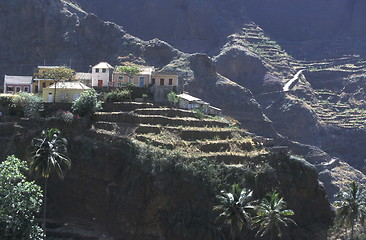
x=14 y=84
x=189 y=102
x=102 y=74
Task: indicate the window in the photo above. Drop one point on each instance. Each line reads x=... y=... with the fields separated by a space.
x=10 y=89
x=161 y=81
x=170 y=81
x=17 y=89
x=153 y=81
x=97 y=70
x=104 y=70
x=26 y=89
x=120 y=78
x=43 y=84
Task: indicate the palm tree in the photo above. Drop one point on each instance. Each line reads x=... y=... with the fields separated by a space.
x=350 y=207
x=49 y=153
x=272 y=215
x=235 y=207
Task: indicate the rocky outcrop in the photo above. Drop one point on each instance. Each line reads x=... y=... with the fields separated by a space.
x=112 y=192
x=191 y=26
x=234 y=99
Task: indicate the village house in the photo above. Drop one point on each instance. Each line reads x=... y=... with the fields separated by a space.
x=65 y=91
x=102 y=74
x=142 y=79
x=189 y=102
x=164 y=78
x=14 y=84
x=39 y=82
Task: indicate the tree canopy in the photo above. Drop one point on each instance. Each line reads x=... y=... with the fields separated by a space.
x=56 y=74
x=351 y=207
x=235 y=207
x=272 y=216
x=20 y=201
x=128 y=70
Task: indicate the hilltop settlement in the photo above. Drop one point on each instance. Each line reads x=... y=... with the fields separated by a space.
x=103 y=77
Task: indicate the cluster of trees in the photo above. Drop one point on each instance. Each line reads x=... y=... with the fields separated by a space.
x=238 y=209
x=20 y=199
x=270 y=216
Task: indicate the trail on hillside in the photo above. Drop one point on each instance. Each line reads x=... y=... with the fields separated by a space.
x=288 y=85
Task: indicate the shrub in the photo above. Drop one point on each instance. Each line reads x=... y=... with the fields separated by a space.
x=20 y=202
x=198 y=113
x=87 y=104
x=65 y=116
x=5 y=100
x=116 y=96
x=173 y=98
x=27 y=105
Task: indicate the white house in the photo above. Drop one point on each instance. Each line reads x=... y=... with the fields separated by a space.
x=189 y=102
x=14 y=84
x=102 y=74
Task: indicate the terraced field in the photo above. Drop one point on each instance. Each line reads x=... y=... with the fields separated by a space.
x=336 y=113
x=274 y=58
x=183 y=132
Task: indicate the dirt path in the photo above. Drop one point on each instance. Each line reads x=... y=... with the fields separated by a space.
x=290 y=83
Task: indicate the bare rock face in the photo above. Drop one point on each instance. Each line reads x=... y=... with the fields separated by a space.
x=190 y=26
x=196 y=26
x=223 y=93
x=243 y=67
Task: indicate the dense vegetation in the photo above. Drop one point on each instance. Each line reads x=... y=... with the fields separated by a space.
x=20 y=201
x=87 y=104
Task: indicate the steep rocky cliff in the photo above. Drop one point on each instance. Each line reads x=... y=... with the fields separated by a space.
x=245 y=75
x=117 y=191
x=203 y=25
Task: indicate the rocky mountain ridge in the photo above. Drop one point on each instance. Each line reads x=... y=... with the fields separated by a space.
x=252 y=94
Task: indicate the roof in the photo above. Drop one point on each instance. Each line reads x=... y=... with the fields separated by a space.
x=70 y=85
x=103 y=65
x=18 y=79
x=188 y=97
x=83 y=76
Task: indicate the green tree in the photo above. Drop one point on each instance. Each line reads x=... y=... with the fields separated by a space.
x=20 y=201
x=49 y=154
x=130 y=71
x=173 y=98
x=87 y=104
x=350 y=207
x=234 y=208
x=56 y=74
x=272 y=215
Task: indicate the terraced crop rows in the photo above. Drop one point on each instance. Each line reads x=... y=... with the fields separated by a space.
x=180 y=131
x=272 y=55
x=338 y=114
